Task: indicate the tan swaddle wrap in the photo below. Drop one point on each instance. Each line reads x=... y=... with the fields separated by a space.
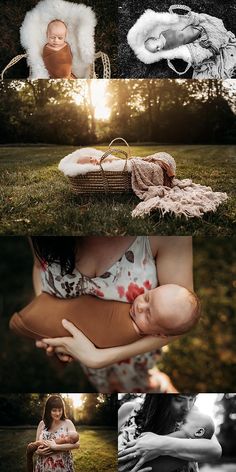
x=58 y=63
x=179 y=197
x=105 y=322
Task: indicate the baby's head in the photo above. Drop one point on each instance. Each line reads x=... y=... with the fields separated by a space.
x=56 y=33
x=155 y=44
x=198 y=425
x=71 y=437
x=168 y=310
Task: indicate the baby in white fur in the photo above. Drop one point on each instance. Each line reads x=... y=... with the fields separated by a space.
x=94 y=160
x=172 y=38
x=57 y=55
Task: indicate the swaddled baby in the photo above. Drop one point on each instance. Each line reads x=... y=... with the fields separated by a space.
x=172 y=38
x=57 y=55
x=167 y=310
x=71 y=437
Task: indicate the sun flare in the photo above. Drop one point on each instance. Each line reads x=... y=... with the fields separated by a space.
x=98 y=92
x=98 y=97
x=77 y=399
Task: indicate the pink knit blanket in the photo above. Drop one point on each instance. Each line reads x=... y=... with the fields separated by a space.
x=153 y=181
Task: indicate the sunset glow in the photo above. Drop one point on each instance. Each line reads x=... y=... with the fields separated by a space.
x=77 y=399
x=98 y=96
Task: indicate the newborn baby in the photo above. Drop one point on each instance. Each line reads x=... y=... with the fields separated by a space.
x=71 y=437
x=172 y=38
x=167 y=310
x=197 y=425
x=94 y=160
x=57 y=54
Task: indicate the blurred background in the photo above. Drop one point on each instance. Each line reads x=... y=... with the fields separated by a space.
x=95 y=418
x=221 y=407
x=203 y=361
x=82 y=112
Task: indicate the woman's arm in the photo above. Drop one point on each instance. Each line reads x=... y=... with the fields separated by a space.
x=65 y=447
x=82 y=349
x=174 y=260
x=200 y=450
x=150 y=446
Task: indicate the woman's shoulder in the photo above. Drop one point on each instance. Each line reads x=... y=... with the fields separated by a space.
x=41 y=424
x=68 y=423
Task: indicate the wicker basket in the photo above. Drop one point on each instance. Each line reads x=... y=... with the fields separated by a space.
x=104 y=181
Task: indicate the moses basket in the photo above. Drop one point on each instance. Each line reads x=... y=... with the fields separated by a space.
x=80 y=20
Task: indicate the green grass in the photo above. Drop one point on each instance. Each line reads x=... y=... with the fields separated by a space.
x=97 y=452
x=35 y=198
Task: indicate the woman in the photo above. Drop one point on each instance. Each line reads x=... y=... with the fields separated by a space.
x=144 y=436
x=53 y=426
x=117 y=268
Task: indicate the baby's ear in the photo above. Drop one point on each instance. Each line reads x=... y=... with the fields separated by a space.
x=200 y=432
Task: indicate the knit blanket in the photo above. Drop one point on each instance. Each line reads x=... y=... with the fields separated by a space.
x=153 y=181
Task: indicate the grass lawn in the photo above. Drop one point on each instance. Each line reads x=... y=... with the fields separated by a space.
x=35 y=197
x=97 y=453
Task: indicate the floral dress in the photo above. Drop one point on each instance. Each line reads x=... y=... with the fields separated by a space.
x=129 y=432
x=133 y=274
x=58 y=461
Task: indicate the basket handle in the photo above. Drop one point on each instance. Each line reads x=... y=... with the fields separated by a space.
x=114 y=151
x=180 y=7
x=171 y=66
x=124 y=141
x=12 y=63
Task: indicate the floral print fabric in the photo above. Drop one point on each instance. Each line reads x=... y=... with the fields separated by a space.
x=58 y=462
x=134 y=273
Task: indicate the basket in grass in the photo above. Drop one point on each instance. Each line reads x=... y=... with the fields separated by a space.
x=92 y=171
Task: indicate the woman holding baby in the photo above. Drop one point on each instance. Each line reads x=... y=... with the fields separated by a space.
x=165 y=433
x=117 y=268
x=55 y=438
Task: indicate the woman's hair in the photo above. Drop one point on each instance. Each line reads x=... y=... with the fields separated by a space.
x=156 y=415
x=60 y=250
x=54 y=401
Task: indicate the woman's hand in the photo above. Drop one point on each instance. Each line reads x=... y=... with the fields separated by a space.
x=50 y=443
x=147 y=447
x=50 y=351
x=76 y=346
x=44 y=450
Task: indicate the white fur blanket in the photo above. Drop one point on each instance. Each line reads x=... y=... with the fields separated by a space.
x=70 y=166
x=150 y=24
x=80 y=21
x=183 y=198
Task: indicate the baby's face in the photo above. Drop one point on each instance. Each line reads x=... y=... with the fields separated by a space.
x=56 y=34
x=155 y=44
x=162 y=311
x=145 y=314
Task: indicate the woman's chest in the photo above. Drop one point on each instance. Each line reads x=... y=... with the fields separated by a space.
x=133 y=273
